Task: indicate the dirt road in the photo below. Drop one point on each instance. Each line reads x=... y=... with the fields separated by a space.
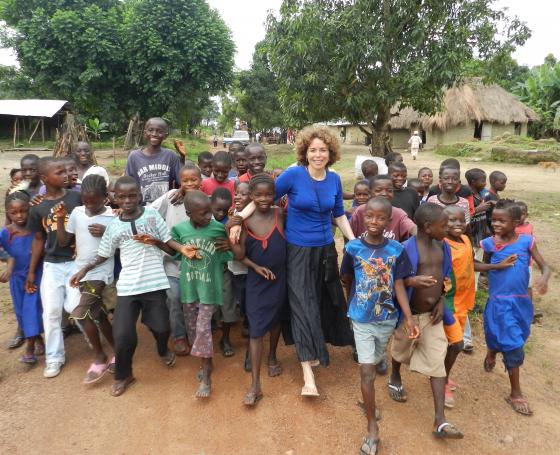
x=160 y=415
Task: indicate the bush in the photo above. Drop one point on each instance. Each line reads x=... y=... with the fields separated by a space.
x=459 y=149
x=511 y=155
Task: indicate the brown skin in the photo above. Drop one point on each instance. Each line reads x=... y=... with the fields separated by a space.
x=240 y=160
x=242 y=197
x=449 y=181
x=498 y=185
x=55 y=179
x=83 y=158
x=16 y=179
x=398 y=178
x=256 y=158
x=155 y=132
x=30 y=172
x=476 y=187
x=220 y=208
x=504 y=232
x=370 y=170
x=17 y=212
x=260 y=223
x=429 y=299
x=361 y=196
x=377 y=218
x=220 y=170
x=426 y=176
x=205 y=166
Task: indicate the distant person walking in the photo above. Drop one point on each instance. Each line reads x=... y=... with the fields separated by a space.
x=215 y=140
x=415 y=142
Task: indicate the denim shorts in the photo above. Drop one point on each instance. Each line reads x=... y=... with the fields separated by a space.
x=372 y=338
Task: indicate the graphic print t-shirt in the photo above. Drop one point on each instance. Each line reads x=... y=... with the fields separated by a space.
x=42 y=219
x=375 y=269
x=154 y=173
x=202 y=279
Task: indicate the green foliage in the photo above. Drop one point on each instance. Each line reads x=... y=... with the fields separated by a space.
x=96 y=128
x=511 y=155
x=114 y=58
x=458 y=150
x=541 y=91
x=501 y=69
x=356 y=60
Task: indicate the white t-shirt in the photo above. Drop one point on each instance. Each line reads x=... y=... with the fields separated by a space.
x=87 y=244
x=173 y=215
x=97 y=170
x=415 y=142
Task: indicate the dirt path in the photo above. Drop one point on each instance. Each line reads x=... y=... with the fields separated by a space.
x=160 y=415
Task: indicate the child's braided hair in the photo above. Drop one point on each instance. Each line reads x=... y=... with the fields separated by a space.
x=17 y=196
x=94 y=184
x=510 y=206
x=259 y=179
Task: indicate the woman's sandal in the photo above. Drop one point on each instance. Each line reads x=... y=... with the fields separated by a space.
x=274 y=369
x=227 y=349
x=95 y=372
x=397 y=392
x=489 y=364
x=119 y=387
x=307 y=391
x=519 y=405
x=447 y=431
x=369 y=446
x=29 y=359
x=252 y=398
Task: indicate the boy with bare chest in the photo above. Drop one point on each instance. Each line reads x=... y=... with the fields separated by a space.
x=431 y=261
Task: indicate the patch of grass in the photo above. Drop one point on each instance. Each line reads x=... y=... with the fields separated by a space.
x=468 y=149
x=480 y=299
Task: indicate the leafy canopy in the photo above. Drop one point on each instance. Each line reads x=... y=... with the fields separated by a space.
x=357 y=59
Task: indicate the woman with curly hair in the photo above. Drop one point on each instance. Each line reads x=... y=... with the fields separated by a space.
x=314 y=289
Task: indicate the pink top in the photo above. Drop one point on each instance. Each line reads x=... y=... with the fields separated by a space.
x=462 y=202
x=398 y=228
x=209 y=185
x=526 y=228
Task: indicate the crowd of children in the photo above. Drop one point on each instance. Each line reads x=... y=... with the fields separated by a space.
x=161 y=234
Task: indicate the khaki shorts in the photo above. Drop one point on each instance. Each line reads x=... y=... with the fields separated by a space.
x=110 y=296
x=91 y=301
x=426 y=354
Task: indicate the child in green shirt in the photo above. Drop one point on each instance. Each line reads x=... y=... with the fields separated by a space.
x=201 y=278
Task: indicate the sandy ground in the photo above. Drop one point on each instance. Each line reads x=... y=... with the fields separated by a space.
x=159 y=414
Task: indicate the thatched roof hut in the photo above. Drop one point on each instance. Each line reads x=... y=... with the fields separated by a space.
x=466 y=103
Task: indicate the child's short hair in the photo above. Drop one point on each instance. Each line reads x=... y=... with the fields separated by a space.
x=450 y=162
x=427 y=213
x=16 y=196
x=510 y=206
x=196 y=197
x=222 y=157
x=386 y=205
x=236 y=147
x=47 y=161
x=126 y=180
x=377 y=178
x=391 y=157
x=415 y=183
x=496 y=175
x=13 y=172
x=261 y=179
x=422 y=169
x=361 y=183
x=255 y=145
x=191 y=167
x=156 y=119
x=29 y=157
x=204 y=156
x=397 y=166
x=94 y=184
x=221 y=193
x=474 y=174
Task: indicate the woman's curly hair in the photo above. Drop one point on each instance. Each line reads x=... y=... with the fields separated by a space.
x=306 y=135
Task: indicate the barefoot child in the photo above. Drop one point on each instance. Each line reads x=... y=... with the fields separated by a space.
x=58 y=265
x=459 y=299
x=431 y=262
x=509 y=311
x=221 y=165
x=85 y=228
x=142 y=281
x=190 y=180
x=16 y=240
x=373 y=269
x=201 y=278
x=262 y=248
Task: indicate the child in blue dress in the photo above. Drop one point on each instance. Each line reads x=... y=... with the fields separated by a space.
x=509 y=310
x=262 y=248
x=16 y=240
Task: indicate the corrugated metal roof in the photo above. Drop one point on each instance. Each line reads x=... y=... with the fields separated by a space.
x=31 y=108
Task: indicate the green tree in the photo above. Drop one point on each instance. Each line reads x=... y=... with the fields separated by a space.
x=259 y=88
x=541 y=91
x=501 y=69
x=359 y=59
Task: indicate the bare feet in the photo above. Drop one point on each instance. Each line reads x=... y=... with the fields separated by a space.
x=252 y=397
x=119 y=387
x=203 y=390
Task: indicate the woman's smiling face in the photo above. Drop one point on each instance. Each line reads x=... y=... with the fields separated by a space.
x=318 y=154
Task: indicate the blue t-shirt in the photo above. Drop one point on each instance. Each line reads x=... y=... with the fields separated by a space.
x=375 y=269
x=312 y=204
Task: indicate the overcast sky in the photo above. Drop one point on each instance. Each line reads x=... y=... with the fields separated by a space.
x=246 y=20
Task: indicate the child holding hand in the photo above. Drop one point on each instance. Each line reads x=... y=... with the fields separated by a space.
x=373 y=270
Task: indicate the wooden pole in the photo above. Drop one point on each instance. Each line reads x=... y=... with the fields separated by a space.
x=43 y=129
x=114 y=152
x=15 y=131
x=34 y=131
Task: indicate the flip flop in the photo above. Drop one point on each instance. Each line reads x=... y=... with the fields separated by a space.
x=227 y=350
x=119 y=387
x=452 y=385
x=29 y=359
x=519 y=405
x=369 y=446
x=274 y=369
x=16 y=342
x=169 y=359
x=251 y=398
x=397 y=392
x=307 y=391
x=447 y=431
x=95 y=372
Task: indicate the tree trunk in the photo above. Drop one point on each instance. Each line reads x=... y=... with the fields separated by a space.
x=381 y=133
